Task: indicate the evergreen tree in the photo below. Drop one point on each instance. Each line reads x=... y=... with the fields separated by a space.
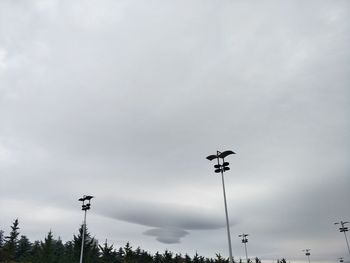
x=220 y=259
x=167 y=256
x=11 y=242
x=177 y=258
x=2 y=240
x=108 y=254
x=120 y=255
x=35 y=253
x=157 y=258
x=145 y=257
x=24 y=249
x=128 y=254
x=137 y=253
x=69 y=252
x=187 y=259
x=201 y=259
x=48 y=249
x=91 y=251
x=195 y=258
x=58 y=251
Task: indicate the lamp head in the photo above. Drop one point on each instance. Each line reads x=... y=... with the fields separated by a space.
x=88 y=197
x=225 y=154
x=212 y=157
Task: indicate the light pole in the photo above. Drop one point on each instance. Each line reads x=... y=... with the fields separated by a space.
x=245 y=241
x=221 y=168
x=84 y=207
x=307 y=253
x=344 y=230
x=341 y=260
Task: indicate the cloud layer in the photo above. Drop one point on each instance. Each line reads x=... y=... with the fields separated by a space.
x=170 y=222
x=124 y=99
x=167 y=235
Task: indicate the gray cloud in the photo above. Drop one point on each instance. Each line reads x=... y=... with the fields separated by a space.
x=124 y=99
x=153 y=214
x=170 y=220
x=167 y=235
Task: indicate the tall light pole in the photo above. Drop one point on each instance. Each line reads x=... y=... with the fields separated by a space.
x=222 y=167
x=245 y=241
x=344 y=230
x=341 y=260
x=307 y=253
x=84 y=207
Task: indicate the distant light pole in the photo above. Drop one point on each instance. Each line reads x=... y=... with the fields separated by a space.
x=84 y=207
x=341 y=260
x=221 y=168
x=307 y=253
x=245 y=241
x=344 y=230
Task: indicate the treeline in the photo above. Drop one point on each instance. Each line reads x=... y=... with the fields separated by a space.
x=18 y=248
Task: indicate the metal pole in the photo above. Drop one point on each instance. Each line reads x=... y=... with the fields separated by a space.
x=83 y=239
x=246 y=253
x=346 y=239
x=308 y=257
x=344 y=230
x=227 y=221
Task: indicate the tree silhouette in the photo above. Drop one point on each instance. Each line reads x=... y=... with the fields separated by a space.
x=11 y=242
x=51 y=250
x=23 y=249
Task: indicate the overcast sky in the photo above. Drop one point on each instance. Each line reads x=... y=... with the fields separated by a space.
x=124 y=99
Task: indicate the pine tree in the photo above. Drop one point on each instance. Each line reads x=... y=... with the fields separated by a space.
x=145 y=257
x=137 y=253
x=108 y=254
x=220 y=259
x=187 y=259
x=195 y=258
x=68 y=255
x=2 y=240
x=177 y=258
x=35 y=253
x=157 y=258
x=128 y=253
x=120 y=255
x=167 y=256
x=58 y=251
x=24 y=249
x=11 y=242
x=91 y=251
x=48 y=249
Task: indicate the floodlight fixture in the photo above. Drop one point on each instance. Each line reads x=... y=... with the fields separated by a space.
x=211 y=157
x=225 y=154
x=88 y=197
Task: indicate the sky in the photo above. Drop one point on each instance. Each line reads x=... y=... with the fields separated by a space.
x=124 y=99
